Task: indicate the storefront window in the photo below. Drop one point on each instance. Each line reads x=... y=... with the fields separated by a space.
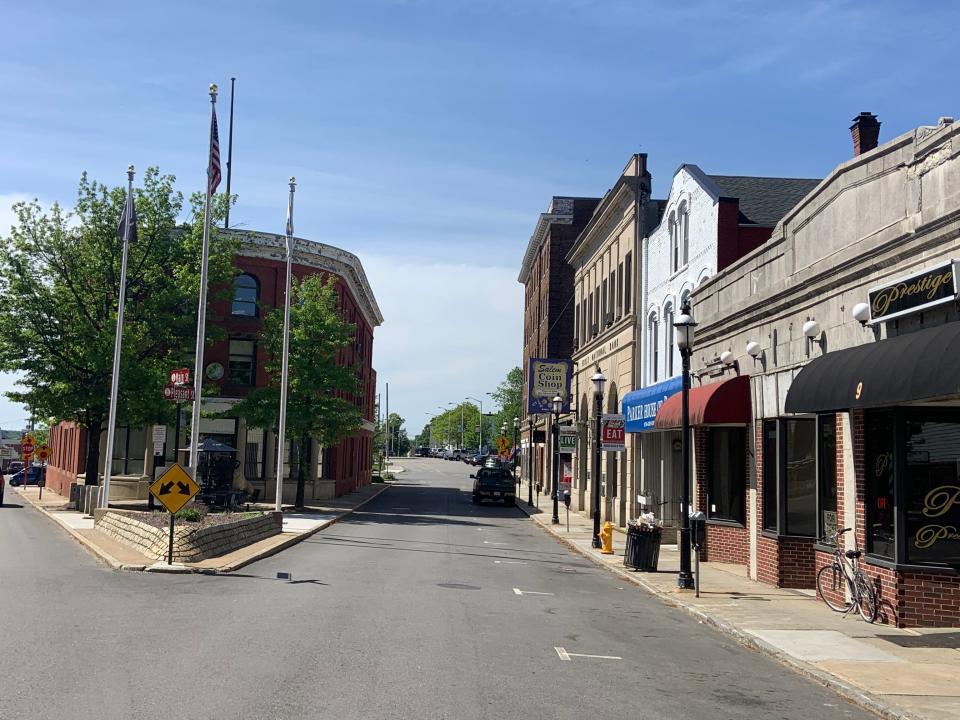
x=800 y=477
x=726 y=477
x=879 y=476
x=827 y=475
x=932 y=491
x=770 y=475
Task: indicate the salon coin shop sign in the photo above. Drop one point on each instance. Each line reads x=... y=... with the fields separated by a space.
x=547 y=379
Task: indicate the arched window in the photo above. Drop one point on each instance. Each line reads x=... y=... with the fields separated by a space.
x=684 y=232
x=674 y=249
x=246 y=293
x=653 y=331
x=668 y=344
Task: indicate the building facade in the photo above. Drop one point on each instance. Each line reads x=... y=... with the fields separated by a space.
x=606 y=264
x=841 y=333
x=548 y=313
x=708 y=222
x=233 y=367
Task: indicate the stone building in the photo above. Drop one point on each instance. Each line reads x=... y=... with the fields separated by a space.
x=843 y=329
x=548 y=313
x=234 y=366
x=605 y=259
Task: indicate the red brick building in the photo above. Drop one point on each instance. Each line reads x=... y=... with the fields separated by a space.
x=235 y=366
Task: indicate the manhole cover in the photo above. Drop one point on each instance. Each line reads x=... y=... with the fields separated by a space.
x=457 y=586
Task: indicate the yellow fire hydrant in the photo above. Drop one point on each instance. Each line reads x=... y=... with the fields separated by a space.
x=606 y=538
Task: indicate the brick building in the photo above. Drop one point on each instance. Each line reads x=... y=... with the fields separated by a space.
x=844 y=325
x=234 y=366
x=548 y=311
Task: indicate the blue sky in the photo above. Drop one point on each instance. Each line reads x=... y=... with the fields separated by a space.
x=426 y=135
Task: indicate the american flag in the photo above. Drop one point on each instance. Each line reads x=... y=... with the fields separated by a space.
x=213 y=172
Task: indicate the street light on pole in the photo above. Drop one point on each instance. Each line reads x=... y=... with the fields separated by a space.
x=685 y=325
x=554 y=482
x=599 y=380
x=516 y=447
x=480 y=403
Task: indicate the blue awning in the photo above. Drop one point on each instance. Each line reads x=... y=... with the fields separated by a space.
x=640 y=406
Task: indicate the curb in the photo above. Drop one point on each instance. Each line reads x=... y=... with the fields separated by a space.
x=845 y=690
x=161 y=567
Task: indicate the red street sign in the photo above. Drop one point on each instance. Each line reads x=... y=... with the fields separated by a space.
x=178 y=392
x=26 y=449
x=612 y=433
x=180 y=376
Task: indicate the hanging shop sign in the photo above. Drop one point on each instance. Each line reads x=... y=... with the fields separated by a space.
x=914 y=293
x=548 y=379
x=568 y=439
x=612 y=433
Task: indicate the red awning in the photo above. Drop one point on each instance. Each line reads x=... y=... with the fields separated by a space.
x=722 y=403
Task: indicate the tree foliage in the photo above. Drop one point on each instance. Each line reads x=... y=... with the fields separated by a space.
x=60 y=280
x=321 y=390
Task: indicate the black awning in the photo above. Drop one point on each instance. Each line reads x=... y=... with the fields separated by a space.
x=918 y=366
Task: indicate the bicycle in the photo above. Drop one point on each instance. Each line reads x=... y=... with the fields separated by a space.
x=843 y=574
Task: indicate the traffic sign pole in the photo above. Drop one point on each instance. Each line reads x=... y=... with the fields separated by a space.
x=170 y=547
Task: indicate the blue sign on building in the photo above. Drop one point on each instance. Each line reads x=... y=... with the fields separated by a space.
x=640 y=406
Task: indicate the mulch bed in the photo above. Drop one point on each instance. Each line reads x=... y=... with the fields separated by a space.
x=161 y=519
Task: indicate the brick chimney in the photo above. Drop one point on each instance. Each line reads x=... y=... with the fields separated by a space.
x=866 y=132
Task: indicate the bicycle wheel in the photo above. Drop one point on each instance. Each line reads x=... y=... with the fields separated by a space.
x=867 y=601
x=830 y=581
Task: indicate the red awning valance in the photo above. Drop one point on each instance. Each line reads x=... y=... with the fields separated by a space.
x=722 y=403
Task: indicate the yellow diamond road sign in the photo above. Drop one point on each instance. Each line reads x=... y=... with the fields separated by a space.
x=175 y=488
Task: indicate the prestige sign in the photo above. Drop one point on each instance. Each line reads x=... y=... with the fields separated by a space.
x=914 y=293
x=547 y=379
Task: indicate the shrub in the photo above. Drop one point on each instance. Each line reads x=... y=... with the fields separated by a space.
x=190 y=514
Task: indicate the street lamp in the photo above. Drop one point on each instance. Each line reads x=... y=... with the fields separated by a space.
x=557 y=406
x=530 y=460
x=516 y=433
x=685 y=325
x=480 y=403
x=599 y=380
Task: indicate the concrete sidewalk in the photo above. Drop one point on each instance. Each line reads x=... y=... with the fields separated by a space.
x=297 y=526
x=908 y=674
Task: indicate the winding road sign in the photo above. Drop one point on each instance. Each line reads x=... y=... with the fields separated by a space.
x=174 y=489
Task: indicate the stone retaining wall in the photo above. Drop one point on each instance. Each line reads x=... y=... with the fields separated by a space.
x=190 y=543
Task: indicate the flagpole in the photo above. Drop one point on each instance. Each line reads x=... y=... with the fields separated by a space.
x=202 y=307
x=117 y=342
x=282 y=431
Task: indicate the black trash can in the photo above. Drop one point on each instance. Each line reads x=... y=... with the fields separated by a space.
x=643 y=548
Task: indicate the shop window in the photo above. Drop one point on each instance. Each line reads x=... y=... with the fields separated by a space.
x=790 y=477
x=770 y=476
x=246 y=292
x=129 y=448
x=800 y=477
x=879 y=477
x=726 y=474
x=243 y=362
x=932 y=491
x=253 y=456
x=826 y=476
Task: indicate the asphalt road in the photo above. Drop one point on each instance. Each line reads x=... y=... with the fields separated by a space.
x=407 y=609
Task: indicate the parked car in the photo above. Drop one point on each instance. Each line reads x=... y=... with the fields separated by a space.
x=493 y=484
x=34 y=474
x=14 y=466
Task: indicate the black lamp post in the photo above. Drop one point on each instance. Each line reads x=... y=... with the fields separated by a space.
x=685 y=325
x=599 y=380
x=530 y=461
x=516 y=435
x=554 y=476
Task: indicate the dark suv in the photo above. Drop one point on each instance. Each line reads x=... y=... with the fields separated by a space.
x=493 y=484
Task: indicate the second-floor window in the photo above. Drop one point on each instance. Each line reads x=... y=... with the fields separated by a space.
x=243 y=362
x=627 y=282
x=684 y=230
x=246 y=293
x=674 y=243
x=653 y=329
x=668 y=342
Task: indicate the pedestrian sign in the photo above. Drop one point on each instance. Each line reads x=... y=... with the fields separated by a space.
x=174 y=489
x=43 y=453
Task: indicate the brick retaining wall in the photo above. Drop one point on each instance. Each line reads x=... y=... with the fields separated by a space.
x=190 y=543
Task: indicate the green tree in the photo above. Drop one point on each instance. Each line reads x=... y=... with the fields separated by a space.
x=321 y=391
x=509 y=396
x=399 y=442
x=60 y=280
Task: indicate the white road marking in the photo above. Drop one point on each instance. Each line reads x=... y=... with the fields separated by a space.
x=510 y=562
x=564 y=655
x=488 y=542
x=518 y=591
